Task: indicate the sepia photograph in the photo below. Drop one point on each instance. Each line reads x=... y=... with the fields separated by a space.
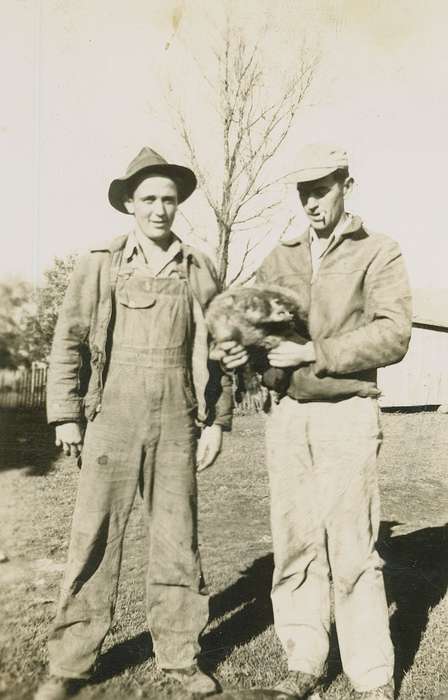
x=224 y=350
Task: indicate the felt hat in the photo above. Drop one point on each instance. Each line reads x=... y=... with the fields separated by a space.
x=151 y=163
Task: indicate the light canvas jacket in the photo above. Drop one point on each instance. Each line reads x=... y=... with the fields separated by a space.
x=79 y=353
x=359 y=306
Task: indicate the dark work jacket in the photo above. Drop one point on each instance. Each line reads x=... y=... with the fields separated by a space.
x=82 y=328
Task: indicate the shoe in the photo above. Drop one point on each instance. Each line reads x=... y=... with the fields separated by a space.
x=57 y=688
x=193 y=680
x=385 y=692
x=298 y=684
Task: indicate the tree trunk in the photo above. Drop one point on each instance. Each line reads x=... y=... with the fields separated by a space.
x=223 y=254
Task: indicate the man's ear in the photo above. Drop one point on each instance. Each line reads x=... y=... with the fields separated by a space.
x=130 y=207
x=348 y=186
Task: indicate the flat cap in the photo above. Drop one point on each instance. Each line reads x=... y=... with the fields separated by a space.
x=318 y=160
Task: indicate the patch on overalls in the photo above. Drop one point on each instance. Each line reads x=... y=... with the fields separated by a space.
x=103 y=459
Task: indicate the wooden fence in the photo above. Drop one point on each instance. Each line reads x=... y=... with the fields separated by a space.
x=23 y=388
x=27 y=389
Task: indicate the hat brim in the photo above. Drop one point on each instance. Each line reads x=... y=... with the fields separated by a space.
x=184 y=178
x=310 y=174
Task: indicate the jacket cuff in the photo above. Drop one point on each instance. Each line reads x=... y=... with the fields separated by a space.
x=320 y=364
x=65 y=412
x=224 y=422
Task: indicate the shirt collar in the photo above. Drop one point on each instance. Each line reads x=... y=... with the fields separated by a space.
x=337 y=233
x=131 y=247
x=353 y=226
x=121 y=243
x=137 y=241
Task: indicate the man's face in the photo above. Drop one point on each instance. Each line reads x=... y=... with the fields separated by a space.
x=154 y=205
x=323 y=202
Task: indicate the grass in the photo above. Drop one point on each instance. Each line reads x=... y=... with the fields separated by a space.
x=37 y=493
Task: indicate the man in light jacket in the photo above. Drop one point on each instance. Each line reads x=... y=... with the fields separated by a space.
x=323 y=437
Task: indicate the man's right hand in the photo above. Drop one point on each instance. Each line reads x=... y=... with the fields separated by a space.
x=230 y=353
x=69 y=437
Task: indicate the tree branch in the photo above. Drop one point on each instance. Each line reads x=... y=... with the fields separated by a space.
x=255 y=126
x=196 y=167
x=259 y=214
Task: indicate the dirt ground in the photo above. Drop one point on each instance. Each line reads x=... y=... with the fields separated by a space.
x=37 y=491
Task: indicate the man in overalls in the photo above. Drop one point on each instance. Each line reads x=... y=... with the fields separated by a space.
x=323 y=437
x=134 y=308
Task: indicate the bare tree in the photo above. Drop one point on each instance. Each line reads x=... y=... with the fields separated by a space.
x=245 y=271
x=255 y=120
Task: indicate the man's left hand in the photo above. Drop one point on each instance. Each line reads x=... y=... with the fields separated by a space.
x=209 y=446
x=290 y=354
x=230 y=353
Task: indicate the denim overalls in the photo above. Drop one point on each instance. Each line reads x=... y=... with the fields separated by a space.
x=143 y=439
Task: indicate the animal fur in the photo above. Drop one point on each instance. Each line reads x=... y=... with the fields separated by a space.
x=259 y=318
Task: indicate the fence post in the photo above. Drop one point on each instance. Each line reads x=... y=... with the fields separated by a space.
x=23 y=388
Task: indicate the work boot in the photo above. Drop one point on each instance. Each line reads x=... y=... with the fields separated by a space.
x=194 y=680
x=57 y=688
x=298 y=684
x=385 y=692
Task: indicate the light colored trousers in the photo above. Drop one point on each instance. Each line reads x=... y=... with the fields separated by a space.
x=325 y=520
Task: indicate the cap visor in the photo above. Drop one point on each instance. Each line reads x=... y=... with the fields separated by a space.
x=310 y=174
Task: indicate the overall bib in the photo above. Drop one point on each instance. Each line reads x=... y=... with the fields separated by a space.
x=143 y=439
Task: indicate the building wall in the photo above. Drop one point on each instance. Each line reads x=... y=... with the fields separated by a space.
x=422 y=377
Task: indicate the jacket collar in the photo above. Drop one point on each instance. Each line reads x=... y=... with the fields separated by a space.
x=355 y=229
x=118 y=244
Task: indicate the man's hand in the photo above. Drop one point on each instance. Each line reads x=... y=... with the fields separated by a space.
x=230 y=353
x=290 y=354
x=69 y=437
x=209 y=446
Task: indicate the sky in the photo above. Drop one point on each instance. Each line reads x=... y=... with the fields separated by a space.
x=84 y=86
